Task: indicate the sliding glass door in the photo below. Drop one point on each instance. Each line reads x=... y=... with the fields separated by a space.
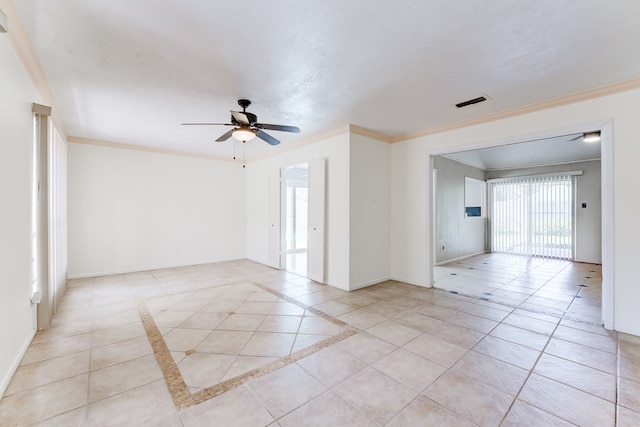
x=533 y=216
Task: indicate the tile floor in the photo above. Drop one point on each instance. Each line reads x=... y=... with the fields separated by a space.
x=240 y=344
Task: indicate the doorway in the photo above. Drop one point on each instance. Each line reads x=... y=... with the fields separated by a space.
x=601 y=270
x=296 y=206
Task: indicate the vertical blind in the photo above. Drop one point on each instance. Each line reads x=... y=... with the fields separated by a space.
x=533 y=216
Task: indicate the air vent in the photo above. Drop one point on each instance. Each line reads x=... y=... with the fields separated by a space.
x=471 y=101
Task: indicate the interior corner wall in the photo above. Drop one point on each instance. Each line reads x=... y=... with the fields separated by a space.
x=456 y=236
x=136 y=210
x=411 y=251
x=588 y=190
x=369 y=229
x=335 y=150
x=17 y=314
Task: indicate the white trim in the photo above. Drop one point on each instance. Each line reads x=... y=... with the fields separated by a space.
x=605 y=127
x=15 y=364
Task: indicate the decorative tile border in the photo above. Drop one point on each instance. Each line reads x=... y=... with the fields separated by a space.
x=180 y=393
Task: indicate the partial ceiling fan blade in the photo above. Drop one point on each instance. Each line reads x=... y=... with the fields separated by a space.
x=207 y=124
x=240 y=117
x=283 y=128
x=576 y=137
x=226 y=136
x=265 y=136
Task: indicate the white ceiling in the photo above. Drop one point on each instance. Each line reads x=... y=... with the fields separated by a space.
x=561 y=149
x=130 y=71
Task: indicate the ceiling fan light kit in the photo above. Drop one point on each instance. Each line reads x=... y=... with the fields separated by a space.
x=246 y=126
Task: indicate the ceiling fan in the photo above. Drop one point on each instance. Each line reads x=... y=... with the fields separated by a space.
x=246 y=126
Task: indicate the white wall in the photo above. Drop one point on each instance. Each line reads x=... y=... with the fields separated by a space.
x=589 y=191
x=134 y=210
x=456 y=235
x=410 y=250
x=336 y=150
x=17 y=315
x=369 y=232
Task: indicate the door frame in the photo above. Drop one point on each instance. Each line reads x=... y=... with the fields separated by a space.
x=606 y=176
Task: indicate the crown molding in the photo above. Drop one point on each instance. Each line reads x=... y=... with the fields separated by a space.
x=369 y=133
x=611 y=89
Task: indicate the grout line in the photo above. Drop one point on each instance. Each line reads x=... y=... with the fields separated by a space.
x=178 y=389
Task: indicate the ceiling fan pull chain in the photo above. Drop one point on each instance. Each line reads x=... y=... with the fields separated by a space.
x=244 y=152
x=234 y=149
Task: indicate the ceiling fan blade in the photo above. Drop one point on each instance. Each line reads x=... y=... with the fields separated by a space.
x=240 y=117
x=226 y=136
x=265 y=136
x=282 y=128
x=576 y=138
x=206 y=124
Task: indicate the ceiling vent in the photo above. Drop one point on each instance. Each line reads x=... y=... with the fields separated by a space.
x=472 y=101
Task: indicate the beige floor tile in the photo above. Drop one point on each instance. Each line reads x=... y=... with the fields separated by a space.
x=417 y=321
x=496 y=312
x=587 y=356
x=363 y=391
x=473 y=322
x=523 y=415
x=116 y=334
x=597 y=341
x=529 y=323
x=629 y=394
x=318 y=326
x=48 y=371
x=268 y=344
x=203 y=320
x=242 y=322
x=469 y=399
x=202 y=370
x=224 y=306
x=171 y=319
x=170 y=421
x=74 y=418
x=587 y=379
x=244 y=364
x=331 y=366
x=278 y=323
x=436 y=349
x=30 y=406
x=393 y=332
x=224 y=342
x=109 y=320
x=254 y=307
x=627 y=417
x=328 y=409
x=185 y=339
x=499 y=375
x=119 y=352
x=122 y=377
x=567 y=403
x=363 y=318
x=520 y=336
x=136 y=407
x=286 y=309
x=55 y=348
x=457 y=335
x=236 y=407
x=425 y=412
x=435 y=311
x=306 y=340
x=410 y=369
x=629 y=368
x=515 y=354
x=366 y=347
x=334 y=308
x=286 y=389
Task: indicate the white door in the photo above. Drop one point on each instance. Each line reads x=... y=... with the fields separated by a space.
x=316 y=234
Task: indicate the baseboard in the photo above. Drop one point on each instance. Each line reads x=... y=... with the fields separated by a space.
x=460 y=258
x=368 y=283
x=409 y=281
x=15 y=364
